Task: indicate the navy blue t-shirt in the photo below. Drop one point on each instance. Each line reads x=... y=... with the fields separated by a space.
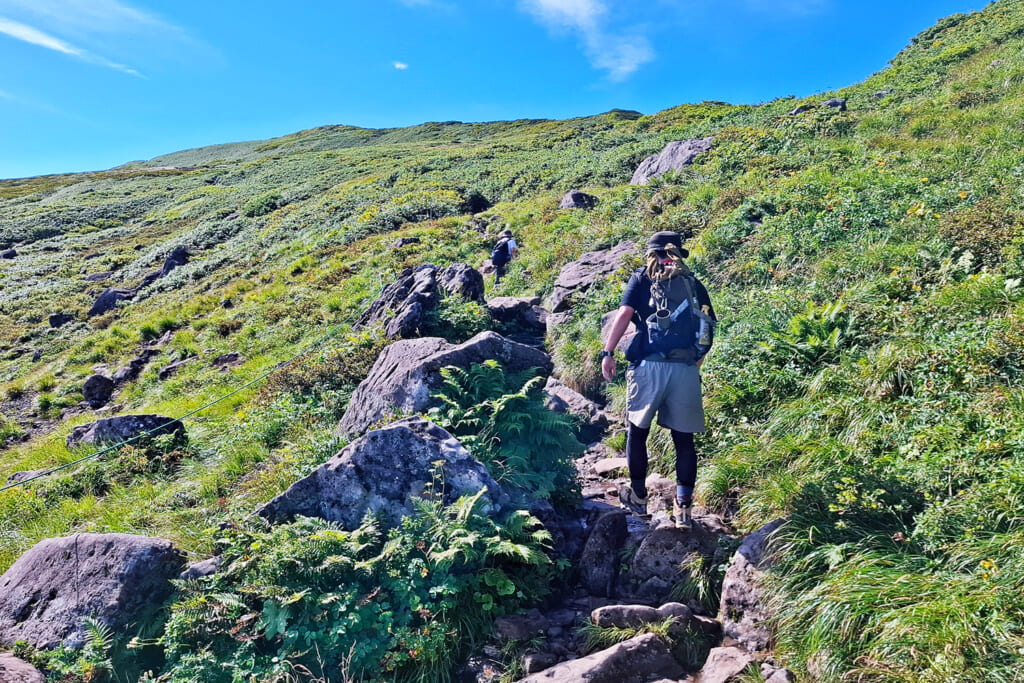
x=638 y=295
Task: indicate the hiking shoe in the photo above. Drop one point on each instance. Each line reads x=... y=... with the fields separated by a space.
x=681 y=513
x=632 y=502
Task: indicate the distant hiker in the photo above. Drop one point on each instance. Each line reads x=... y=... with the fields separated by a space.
x=504 y=251
x=674 y=321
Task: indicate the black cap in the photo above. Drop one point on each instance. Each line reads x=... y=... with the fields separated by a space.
x=661 y=240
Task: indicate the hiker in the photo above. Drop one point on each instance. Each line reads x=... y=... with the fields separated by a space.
x=504 y=251
x=674 y=321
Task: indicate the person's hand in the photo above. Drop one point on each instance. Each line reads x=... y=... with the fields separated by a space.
x=608 y=368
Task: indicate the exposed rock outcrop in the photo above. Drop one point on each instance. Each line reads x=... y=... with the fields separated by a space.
x=97 y=390
x=574 y=199
x=114 y=430
x=107 y=301
x=743 y=610
x=403 y=305
x=384 y=472
x=562 y=399
x=637 y=660
x=407 y=372
x=60 y=319
x=675 y=156
x=577 y=277
x=118 y=579
x=599 y=563
x=14 y=670
x=725 y=664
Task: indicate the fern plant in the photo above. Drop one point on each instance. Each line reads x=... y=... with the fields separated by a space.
x=399 y=605
x=503 y=421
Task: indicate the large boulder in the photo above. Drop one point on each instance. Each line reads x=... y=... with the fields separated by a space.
x=178 y=257
x=574 y=199
x=114 y=430
x=599 y=562
x=402 y=306
x=60 y=319
x=674 y=157
x=637 y=660
x=524 y=313
x=578 y=276
x=408 y=372
x=119 y=579
x=561 y=399
x=97 y=390
x=14 y=670
x=663 y=560
x=725 y=664
x=384 y=472
x=744 y=611
x=107 y=301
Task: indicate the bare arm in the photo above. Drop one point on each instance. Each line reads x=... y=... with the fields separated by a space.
x=619 y=325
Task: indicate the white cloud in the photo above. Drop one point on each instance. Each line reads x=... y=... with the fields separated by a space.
x=401 y=66
x=618 y=53
x=34 y=36
x=87 y=29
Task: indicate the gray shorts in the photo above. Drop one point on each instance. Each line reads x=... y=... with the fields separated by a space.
x=672 y=390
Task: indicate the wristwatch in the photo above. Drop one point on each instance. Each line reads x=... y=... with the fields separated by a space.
x=606 y=354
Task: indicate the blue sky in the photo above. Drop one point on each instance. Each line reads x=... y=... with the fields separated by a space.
x=91 y=84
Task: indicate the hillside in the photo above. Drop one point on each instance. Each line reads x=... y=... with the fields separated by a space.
x=867 y=382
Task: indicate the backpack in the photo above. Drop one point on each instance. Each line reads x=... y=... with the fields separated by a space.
x=678 y=329
x=499 y=255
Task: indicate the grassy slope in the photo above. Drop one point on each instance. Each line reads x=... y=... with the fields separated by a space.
x=867 y=379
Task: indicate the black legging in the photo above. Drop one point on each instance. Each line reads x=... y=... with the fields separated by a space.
x=636 y=456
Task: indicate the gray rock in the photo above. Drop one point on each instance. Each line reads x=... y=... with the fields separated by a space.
x=675 y=156
x=60 y=319
x=384 y=472
x=635 y=616
x=407 y=372
x=114 y=430
x=637 y=660
x=801 y=109
x=404 y=242
x=23 y=476
x=577 y=277
x=574 y=199
x=562 y=399
x=97 y=277
x=8 y=253
x=835 y=103
x=606 y=326
x=661 y=560
x=520 y=626
x=882 y=94
x=599 y=562
x=119 y=579
x=14 y=670
x=522 y=312
x=228 y=360
x=780 y=676
x=538 y=661
x=725 y=664
x=743 y=609
x=107 y=301
x=97 y=390
x=401 y=307
x=171 y=369
x=198 y=570
x=135 y=366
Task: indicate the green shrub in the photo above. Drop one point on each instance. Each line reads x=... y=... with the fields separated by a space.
x=457 y=319
x=503 y=421
x=262 y=205
x=366 y=604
